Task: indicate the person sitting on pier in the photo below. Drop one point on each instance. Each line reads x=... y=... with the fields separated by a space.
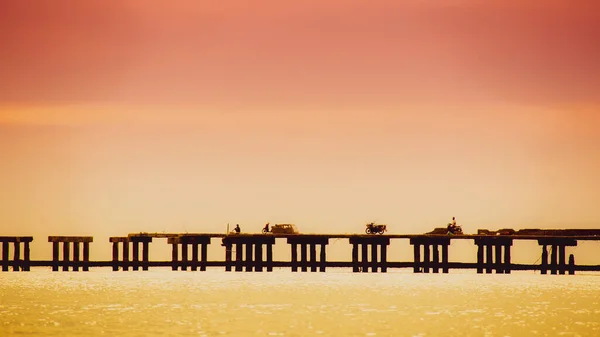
x=266 y=229
x=452 y=226
x=237 y=228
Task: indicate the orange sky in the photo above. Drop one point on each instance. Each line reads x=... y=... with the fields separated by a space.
x=121 y=116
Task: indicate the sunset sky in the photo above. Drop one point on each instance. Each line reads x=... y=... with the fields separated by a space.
x=131 y=115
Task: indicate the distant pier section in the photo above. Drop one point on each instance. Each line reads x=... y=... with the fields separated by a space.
x=254 y=252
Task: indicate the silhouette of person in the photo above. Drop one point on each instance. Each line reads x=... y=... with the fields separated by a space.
x=266 y=229
x=237 y=228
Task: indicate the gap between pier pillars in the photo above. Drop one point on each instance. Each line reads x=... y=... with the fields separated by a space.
x=16 y=263
x=254 y=258
x=557 y=263
x=431 y=254
x=378 y=247
x=130 y=260
x=308 y=245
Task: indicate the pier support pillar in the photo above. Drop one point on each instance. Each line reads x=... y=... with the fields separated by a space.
x=493 y=247
x=199 y=246
x=76 y=242
x=378 y=253
x=431 y=254
x=130 y=260
x=558 y=255
x=16 y=263
x=309 y=259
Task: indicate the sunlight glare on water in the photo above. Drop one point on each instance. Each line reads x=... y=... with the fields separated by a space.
x=281 y=303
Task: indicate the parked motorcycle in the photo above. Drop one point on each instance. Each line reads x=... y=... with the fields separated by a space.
x=454 y=229
x=372 y=228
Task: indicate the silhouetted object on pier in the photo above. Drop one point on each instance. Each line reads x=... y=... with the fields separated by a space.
x=16 y=263
x=66 y=262
x=308 y=243
x=237 y=229
x=373 y=228
x=199 y=257
x=374 y=244
x=252 y=246
x=127 y=261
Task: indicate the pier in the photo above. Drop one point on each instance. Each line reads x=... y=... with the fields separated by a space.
x=254 y=252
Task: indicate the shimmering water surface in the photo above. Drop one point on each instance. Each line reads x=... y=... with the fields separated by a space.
x=337 y=303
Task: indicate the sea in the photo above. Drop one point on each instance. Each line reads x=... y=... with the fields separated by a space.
x=161 y=302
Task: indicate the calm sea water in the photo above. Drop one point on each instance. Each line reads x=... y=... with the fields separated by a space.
x=337 y=303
